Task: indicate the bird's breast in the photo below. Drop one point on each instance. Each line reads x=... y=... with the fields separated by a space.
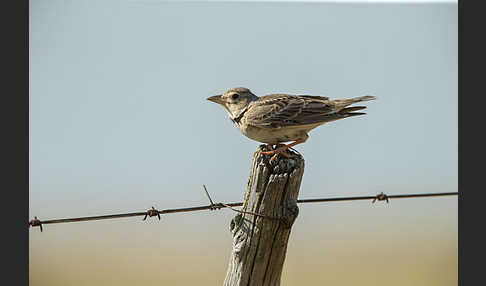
x=271 y=135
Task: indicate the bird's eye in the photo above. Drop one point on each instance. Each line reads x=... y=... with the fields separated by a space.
x=235 y=96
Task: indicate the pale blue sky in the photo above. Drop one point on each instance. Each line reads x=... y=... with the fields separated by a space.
x=118 y=116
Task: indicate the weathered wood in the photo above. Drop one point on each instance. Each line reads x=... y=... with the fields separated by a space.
x=260 y=243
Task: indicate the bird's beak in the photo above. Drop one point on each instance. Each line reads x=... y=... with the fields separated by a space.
x=216 y=99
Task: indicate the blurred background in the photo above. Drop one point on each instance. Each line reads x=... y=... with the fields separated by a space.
x=119 y=122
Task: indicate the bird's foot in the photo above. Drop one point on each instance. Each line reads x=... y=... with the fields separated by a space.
x=284 y=153
x=276 y=152
x=282 y=149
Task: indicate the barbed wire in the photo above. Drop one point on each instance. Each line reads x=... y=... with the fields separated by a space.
x=216 y=206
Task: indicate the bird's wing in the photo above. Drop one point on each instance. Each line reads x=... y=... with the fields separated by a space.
x=279 y=110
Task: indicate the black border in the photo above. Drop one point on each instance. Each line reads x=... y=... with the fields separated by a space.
x=14 y=115
x=471 y=236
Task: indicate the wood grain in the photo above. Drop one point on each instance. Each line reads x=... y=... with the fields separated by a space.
x=260 y=243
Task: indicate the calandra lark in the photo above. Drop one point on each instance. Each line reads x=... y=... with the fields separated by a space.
x=277 y=118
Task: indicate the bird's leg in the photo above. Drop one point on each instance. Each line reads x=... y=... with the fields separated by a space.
x=283 y=148
x=284 y=153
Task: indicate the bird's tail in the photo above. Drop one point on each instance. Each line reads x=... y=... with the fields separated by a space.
x=357 y=99
x=365 y=98
x=349 y=111
x=342 y=103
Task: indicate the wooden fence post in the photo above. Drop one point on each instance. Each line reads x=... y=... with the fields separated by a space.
x=260 y=243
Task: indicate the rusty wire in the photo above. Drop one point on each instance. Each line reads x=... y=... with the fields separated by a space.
x=216 y=206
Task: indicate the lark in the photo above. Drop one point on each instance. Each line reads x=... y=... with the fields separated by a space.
x=278 y=118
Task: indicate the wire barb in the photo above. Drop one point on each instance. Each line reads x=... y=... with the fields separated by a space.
x=212 y=206
x=218 y=206
x=380 y=197
x=35 y=222
x=151 y=213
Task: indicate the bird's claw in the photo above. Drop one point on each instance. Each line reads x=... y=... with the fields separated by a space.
x=275 y=153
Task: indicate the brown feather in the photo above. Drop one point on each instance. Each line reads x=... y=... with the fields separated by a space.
x=282 y=110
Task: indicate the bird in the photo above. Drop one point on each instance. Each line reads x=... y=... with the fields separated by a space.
x=274 y=119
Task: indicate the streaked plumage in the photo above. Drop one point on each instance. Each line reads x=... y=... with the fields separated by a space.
x=278 y=118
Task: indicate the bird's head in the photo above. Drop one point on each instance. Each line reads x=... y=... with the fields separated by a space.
x=235 y=100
